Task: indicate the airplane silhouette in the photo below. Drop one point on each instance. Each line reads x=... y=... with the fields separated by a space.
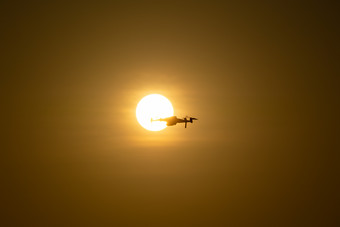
x=170 y=121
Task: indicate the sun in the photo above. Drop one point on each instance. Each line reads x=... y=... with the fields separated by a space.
x=153 y=106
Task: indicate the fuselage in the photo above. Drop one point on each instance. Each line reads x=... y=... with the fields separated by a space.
x=170 y=120
x=174 y=120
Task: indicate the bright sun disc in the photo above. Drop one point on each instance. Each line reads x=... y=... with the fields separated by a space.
x=153 y=107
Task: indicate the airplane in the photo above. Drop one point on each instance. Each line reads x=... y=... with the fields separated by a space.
x=170 y=121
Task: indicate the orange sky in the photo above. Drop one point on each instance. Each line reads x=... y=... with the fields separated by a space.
x=261 y=78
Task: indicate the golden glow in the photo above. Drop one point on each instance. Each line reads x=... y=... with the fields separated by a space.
x=153 y=107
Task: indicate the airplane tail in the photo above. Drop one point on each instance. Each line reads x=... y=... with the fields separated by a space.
x=192 y=118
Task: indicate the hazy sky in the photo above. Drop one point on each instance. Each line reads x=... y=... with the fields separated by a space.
x=261 y=78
